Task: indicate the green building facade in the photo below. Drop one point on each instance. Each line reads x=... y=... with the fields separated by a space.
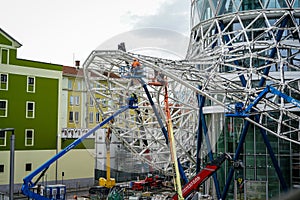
x=30 y=104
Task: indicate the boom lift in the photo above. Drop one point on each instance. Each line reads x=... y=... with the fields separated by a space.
x=172 y=146
x=202 y=176
x=28 y=184
x=108 y=182
x=241 y=111
x=159 y=80
x=168 y=134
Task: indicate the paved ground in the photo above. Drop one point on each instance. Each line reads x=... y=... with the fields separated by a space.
x=80 y=194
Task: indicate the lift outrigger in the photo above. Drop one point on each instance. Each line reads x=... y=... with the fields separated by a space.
x=28 y=184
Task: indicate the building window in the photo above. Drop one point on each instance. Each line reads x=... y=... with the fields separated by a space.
x=3 y=108
x=91 y=117
x=97 y=117
x=2 y=138
x=29 y=137
x=1 y=168
x=71 y=100
x=4 y=82
x=79 y=85
x=4 y=56
x=76 y=117
x=70 y=83
x=30 y=109
x=91 y=101
x=77 y=100
x=71 y=116
x=28 y=167
x=30 y=84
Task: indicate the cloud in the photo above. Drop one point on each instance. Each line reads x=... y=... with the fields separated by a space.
x=173 y=15
x=150 y=41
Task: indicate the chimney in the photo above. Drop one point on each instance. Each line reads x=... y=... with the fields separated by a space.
x=77 y=63
x=122 y=47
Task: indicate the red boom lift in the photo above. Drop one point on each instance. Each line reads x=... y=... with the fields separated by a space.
x=203 y=175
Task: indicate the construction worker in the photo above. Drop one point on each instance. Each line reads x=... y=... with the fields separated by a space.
x=135 y=63
x=155 y=73
x=135 y=66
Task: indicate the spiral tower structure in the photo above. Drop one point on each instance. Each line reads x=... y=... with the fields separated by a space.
x=242 y=46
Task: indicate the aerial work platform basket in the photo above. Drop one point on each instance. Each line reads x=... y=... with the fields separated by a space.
x=137 y=72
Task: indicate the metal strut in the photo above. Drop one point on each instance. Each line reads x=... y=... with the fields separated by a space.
x=262 y=131
x=207 y=140
x=163 y=129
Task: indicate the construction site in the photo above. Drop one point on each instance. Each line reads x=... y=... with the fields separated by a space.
x=222 y=123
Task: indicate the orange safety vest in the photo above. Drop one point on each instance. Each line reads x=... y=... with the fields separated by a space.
x=135 y=64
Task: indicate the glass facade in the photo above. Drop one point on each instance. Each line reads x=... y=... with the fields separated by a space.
x=255 y=157
x=206 y=9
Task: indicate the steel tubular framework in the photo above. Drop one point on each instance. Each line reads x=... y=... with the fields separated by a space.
x=236 y=49
x=105 y=80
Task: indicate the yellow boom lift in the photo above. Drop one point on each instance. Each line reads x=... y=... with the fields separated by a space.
x=108 y=182
x=172 y=145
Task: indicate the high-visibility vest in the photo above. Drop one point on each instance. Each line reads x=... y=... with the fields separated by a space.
x=135 y=64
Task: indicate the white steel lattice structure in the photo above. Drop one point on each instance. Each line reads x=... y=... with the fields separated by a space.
x=242 y=50
x=236 y=49
x=139 y=131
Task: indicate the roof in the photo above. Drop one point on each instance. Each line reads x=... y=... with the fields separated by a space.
x=14 y=41
x=72 y=71
x=111 y=75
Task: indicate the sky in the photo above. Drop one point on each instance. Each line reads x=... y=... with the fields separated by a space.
x=62 y=31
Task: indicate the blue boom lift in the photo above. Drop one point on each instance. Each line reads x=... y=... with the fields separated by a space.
x=28 y=184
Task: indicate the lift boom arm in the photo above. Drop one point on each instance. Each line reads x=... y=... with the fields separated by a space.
x=172 y=146
x=27 y=181
x=202 y=176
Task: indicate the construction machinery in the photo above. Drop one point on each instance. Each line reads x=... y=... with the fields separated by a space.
x=172 y=146
x=148 y=183
x=108 y=182
x=169 y=136
x=202 y=176
x=29 y=186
